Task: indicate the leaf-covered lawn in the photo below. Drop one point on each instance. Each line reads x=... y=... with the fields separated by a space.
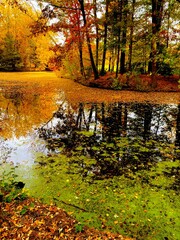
x=31 y=219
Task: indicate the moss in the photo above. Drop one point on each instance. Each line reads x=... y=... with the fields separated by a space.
x=139 y=204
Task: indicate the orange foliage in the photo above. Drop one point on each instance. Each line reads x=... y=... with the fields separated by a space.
x=34 y=50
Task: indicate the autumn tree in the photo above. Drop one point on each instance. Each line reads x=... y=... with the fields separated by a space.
x=135 y=35
x=20 y=49
x=157 y=13
x=105 y=38
x=10 y=58
x=76 y=26
x=131 y=35
x=97 y=32
x=95 y=71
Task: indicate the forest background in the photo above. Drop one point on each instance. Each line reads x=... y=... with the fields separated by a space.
x=89 y=38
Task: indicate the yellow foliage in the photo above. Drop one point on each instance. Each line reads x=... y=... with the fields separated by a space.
x=34 y=50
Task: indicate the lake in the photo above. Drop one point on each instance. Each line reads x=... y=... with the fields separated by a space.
x=54 y=130
x=30 y=100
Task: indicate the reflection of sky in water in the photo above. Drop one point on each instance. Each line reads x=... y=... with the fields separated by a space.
x=22 y=150
x=162 y=121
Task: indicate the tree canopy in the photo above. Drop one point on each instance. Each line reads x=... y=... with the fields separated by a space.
x=20 y=48
x=88 y=37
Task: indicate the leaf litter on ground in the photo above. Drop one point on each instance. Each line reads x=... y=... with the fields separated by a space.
x=31 y=219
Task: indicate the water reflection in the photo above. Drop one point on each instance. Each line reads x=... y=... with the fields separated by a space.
x=24 y=106
x=21 y=110
x=159 y=122
x=22 y=150
x=119 y=136
x=126 y=126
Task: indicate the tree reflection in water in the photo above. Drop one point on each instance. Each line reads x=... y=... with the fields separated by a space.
x=119 y=137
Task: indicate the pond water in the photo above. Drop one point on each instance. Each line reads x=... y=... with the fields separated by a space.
x=31 y=102
x=25 y=104
x=57 y=132
x=119 y=136
x=39 y=117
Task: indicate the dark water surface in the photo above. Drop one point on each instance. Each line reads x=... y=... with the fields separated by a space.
x=119 y=136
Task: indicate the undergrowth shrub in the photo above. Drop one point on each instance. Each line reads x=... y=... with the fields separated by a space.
x=116 y=85
x=10 y=188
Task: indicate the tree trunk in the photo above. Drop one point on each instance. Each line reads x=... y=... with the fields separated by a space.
x=105 y=39
x=110 y=60
x=97 y=33
x=131 y=37
x=95 y=72
x=118 y=56
x=114 y=53
x=157 y=10
x=81 y=59
x=123 y=49
x=80 y=48
x=119 y=39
